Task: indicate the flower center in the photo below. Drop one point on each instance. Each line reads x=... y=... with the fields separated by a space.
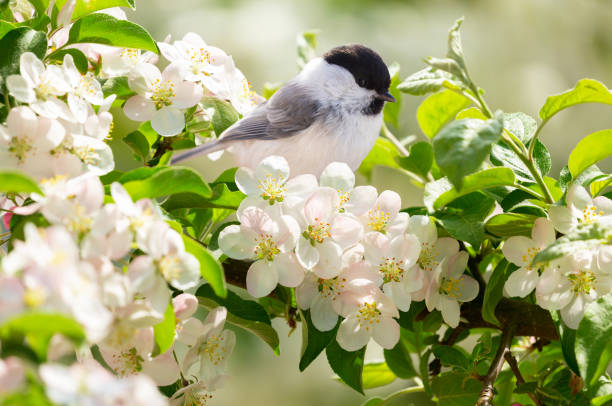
x=200 y=58
x=44 y=89
x=79 y=221
x=344 y=197
x=528 y=257
x=20 y=146
x=378 y=219
x=86 y=86
x=428 y=257
x=247 y=91
x=266 y=248
x=272 y=189
x=34 y=297
x=199 y=398
x=170 y=267
x=214 y=348
x=162 y=93
x=130 y=55
x=318 y=232
x=590 y=214
x=86 y=154
x=582 y=281
x=391 y=270
x=368 y=314
x=451 y=287
x=331 y=287
x=128 y=362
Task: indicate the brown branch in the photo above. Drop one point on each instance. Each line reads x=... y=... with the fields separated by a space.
x=519 y=377
x=486 y=394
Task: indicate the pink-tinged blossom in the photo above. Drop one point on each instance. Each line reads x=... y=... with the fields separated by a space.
x=368 y=313
x=521 y=251
x=449 y=286
x=326 y=234
x=384 y=215
x=355 y=200
x=268 y=238
x=12 y=375
x=161 y=97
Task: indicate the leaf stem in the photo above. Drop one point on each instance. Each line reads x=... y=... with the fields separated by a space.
x=534 y=140
x=7 y=101
x=527 y=190
x=400 y=147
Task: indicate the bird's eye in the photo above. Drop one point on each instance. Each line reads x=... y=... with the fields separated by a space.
x=362 y=82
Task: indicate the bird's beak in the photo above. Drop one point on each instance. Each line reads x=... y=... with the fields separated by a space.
x=386 y=96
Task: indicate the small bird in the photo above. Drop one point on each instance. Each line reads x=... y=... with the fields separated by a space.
x=330 y=112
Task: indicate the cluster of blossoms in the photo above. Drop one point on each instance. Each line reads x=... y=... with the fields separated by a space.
x=348 y=251
x=573 y=281
x=110 y=267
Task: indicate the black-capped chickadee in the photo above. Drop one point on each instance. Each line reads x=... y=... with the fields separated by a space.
x=330 y=112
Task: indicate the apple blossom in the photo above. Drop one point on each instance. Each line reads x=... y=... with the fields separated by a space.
x=433 y=249
x=448 y=286
x=368 y=313
x=160 y=97
x=268 y=238
x=384 y=215
x=85 y=90
x=581 y=209
x=570 y=284
x=394 y=259
x=142 y=215
x=27 y=141
x=122 y=61
x=40 y=87
x=211 y=350
x=194 y=394
x=355 y=200
x=521 y=251
x=325 y=297
x=12 y=375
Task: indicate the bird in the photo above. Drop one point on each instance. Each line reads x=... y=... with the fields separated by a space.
x=330 y=112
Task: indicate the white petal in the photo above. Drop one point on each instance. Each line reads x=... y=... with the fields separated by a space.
x=521 y=282
x=562 y=218
x=142 y=77
x=346 y=230
x=189 y=274
x=79 y=107
x=399 y=296
x=168 y=121
x=20 y=89
x=163 y=369
x=139 y=108
x=322 y=314
x=351 y=336
x=301 y=186
x=517 y=249
x=330 y=260
x=306 y=292
x=543 y=232
x=321 y=206
x=450 y=311
x=387 y=333
x=31 y=68
x=245 y=180
x=233 y=243
x=187 y=94
x=407 y=247
x=290 y=272
x=339 y=176
x=261 y=278
x=307 y=255
x=578 y=197
x=468 y=288
x=423 y=228
x=574 y=312
x=273 y=166
x=445 y=247
x=361 y=199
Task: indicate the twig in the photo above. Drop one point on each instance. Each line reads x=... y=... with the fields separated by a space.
x=486 y=394
x=400 y=147
x=519 y=377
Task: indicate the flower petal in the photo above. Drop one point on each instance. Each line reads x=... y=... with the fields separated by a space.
x=351 y=336
x=330 y=260
x=187 y=94
x=450 y=311
x=290 y=272
x=361 y=199
x=339 y=176
x=386 y=333
x=307 y=255
x=273 y=166
x=517 y=250
x=562 y=218
x=261 y=278
x=234 y=244
x=168 y=121
x=139 y=108
x=543 y=232
x=322 y=314
x=521 y=282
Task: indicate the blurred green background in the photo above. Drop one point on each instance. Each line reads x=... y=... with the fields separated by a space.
x=519 y=51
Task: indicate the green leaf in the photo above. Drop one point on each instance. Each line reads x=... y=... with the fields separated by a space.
x=103 y=29
x=306 y=43
x=419 y=160
x=245 y=314
x=80 y=60
x=17 y=182
x=210 y=269
x=428 y=80
x=502 y=155
x=600 y=184
x=399 y=361
x=376 y=374
x=16 y=42
x=168 y=181
x=567 y=337
x=452 y=357
x=438 y=109
x=39 y=327
x=5 y=27
x=463 y=218
x=313 y=340
x=510 y=224
x=164 y=332
x=391 y=111
x=462 y=146
x=139 y=144
x=383 y=153
x=347 y=365
x=118 y=86
x=456 y=389
x=485 y=179
x=433 y=190
x=224 y=116
x=455 y=49
x=84 y=7
x=494 y=290
x=584 y=237
x=471 y=112
x=585 y=91
x=590 y=150
x=594 y=340
x=222 y=198
x=521 y=125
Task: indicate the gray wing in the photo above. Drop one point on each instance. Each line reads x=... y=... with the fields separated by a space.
x=290 y=110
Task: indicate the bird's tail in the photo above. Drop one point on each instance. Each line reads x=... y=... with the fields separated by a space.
x=200 y=149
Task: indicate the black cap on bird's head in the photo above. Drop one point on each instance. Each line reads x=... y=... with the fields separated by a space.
x=366 y=66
